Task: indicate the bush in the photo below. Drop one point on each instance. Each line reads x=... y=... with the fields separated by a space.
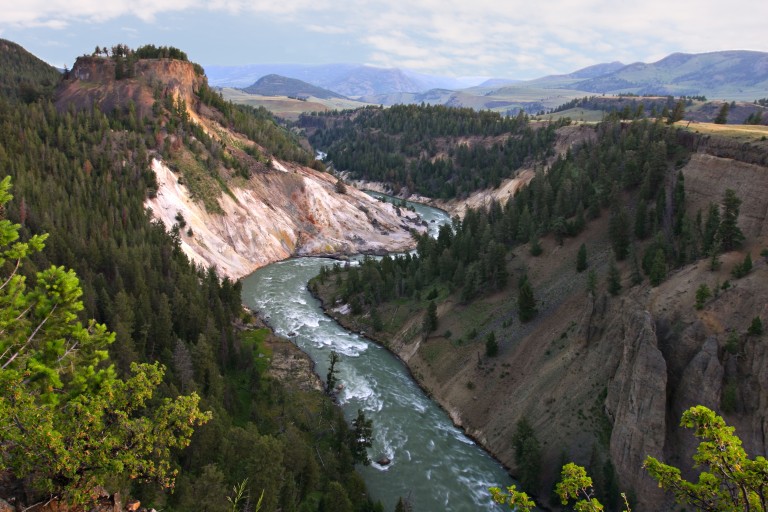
x=703 y=293
x=491 y=346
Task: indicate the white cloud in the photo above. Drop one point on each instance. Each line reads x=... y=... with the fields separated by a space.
x=484 y=37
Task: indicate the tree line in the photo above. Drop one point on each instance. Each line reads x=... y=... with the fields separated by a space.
x=424 y=148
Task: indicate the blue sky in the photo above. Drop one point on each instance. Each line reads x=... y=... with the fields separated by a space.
x=509 y=39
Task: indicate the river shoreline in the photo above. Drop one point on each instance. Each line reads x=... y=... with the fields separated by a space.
x=352 y=328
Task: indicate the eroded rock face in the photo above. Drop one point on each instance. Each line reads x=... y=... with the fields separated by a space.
x=281 y=213
x=636 y=402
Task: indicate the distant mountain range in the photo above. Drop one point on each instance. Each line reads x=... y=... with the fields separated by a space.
x=277 y=85
x=739 y=75
x=346 y=79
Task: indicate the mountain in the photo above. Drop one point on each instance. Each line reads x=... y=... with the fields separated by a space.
x=346 y=79
x=276 y=85
x=567 y=80
x=22 y=75
x=725 y=74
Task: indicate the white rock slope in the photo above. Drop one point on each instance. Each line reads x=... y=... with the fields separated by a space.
x=284 y=212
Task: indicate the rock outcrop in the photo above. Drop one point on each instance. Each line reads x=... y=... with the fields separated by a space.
x=636 y=401
x=291 y=211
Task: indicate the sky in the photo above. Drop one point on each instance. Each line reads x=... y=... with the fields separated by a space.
x=518 y=39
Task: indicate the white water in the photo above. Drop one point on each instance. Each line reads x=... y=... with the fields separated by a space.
x=433 y=462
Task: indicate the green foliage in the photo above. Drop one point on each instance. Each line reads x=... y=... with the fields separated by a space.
x=491 y=345
x=703 y=293
x=331 y=378
x=592 y=282
x=70 y=422
x=424 y=147
x=536 y=249
x=517 y=500
x=618 y=232
x=581 y=259
x=430 y=318
x=729 y=233
x=614 y=279
x=729 y=481
x=527 y=455
x=24 y=76
x=678 y=113
x=575 y=484
x=742 y=269
x=755 y=327
x=526 y=303
x=722 y=115
x=361 y=438
x=658 y=271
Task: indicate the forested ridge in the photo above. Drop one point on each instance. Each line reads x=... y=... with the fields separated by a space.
x=435 y=151
x=83 y=177
x=629 y=164
x=24 y=76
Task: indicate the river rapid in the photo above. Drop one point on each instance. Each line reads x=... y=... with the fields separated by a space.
x=433 y=463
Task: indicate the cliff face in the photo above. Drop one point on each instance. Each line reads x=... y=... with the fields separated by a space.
x=92 y=83
x=284 y=212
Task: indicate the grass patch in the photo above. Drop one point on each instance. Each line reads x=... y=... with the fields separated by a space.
x=739 y=132
x=202 y=186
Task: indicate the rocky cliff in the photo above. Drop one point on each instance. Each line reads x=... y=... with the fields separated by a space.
x=286 y=211
x=281 y=209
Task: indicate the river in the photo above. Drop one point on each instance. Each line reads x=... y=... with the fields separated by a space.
x=432 y=462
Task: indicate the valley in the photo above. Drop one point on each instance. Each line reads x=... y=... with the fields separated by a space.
x=585 y=282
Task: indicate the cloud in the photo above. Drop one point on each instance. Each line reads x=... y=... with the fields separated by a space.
x=482 y=37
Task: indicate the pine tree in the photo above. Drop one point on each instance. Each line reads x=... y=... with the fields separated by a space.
x=658 y=268
x=756 y=327
x=614 y=279
x=729 y=233
x=361 y=438
x=592 y=282
x=526 y=302
x=703 y=294
x=491 y=346
x=68 y=422
x=722 y=115
x=331 y=377
x=618 y=232
x=581 y=259
x=430 y=318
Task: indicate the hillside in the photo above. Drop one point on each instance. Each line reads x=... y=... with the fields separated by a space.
x=276 y=85
x=601 y=374
x=24 y=76
x=431 y=151
x=255 y=206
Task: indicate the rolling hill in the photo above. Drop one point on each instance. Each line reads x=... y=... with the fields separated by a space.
x=277 y=85
x=725 y=75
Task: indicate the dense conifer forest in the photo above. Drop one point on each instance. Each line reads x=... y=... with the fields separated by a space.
x=435 y=151
x=82 y=177
x=629 y=173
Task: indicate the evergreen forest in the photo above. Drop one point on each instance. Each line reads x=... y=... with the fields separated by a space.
x=82 y=177
x=434 y=151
